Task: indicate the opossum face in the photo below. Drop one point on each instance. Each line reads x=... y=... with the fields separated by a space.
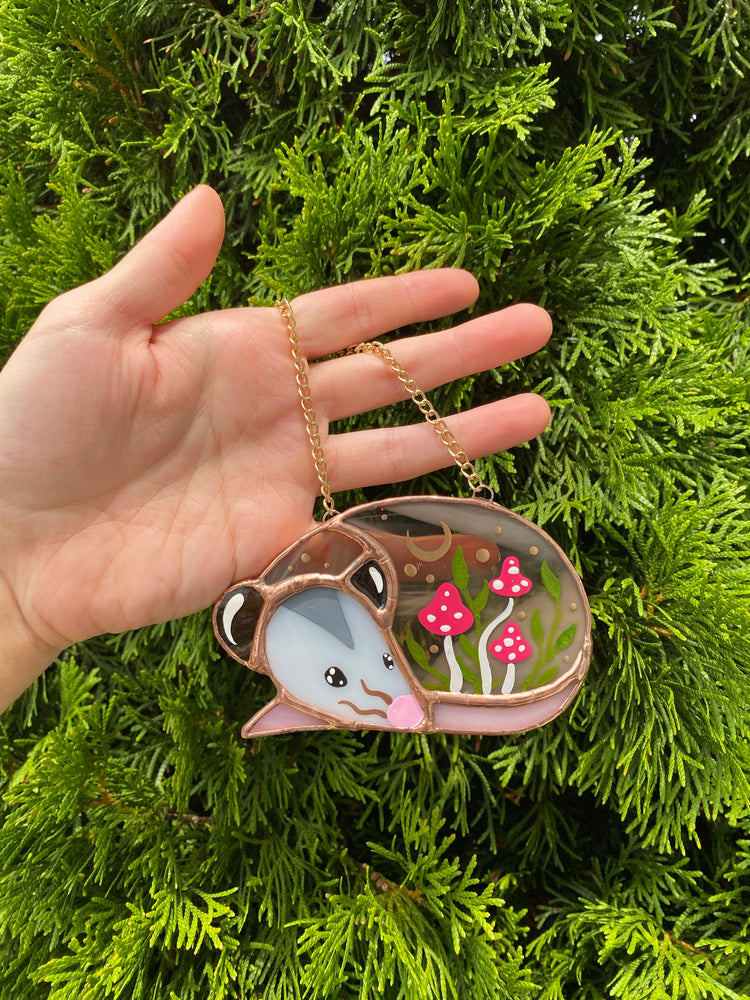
x=327 y=651
x=327 y=645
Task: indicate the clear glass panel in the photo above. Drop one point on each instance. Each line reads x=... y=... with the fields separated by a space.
x=327 y=551
x=488 y=603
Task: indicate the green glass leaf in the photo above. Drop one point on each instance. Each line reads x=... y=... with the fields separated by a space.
x=469 y=676
x=566 y=637
x=469 y=649
x=416 y=652
x=537 y=629
x=480 y=601
x=460 y=570
x=422 y=660
x=550 y=582
x=544 y=678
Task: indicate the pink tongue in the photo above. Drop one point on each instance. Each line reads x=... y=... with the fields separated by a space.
x=405 y=712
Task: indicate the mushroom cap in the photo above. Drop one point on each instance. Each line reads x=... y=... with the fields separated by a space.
x=511 y=647
x=446 y=614
x=511 y=582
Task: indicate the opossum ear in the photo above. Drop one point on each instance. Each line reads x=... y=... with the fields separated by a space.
x=235 y=620
x=370 y=581
x=279 y=717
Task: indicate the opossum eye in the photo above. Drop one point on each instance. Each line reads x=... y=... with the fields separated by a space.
x=370 y=581
x=335 y=677
x=388 y=660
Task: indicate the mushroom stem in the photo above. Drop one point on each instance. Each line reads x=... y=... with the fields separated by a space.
x=485 y=670
x=510 y=679
x=456 y=677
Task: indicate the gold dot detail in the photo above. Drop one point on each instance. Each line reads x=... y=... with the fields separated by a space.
x=573 y=607
x=566 y=659
x=410 y=569
x=326 y=565
x=533 y=551
x=498 y=531
x=430 y=578
x=434 y=649
x=383 y=517
x=290 y=569
x=305 y=557
x=483 y=555
x=521 y=614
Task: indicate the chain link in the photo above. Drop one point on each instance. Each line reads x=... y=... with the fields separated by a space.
x=418 y=397
x=430 y=414
x=303 y=385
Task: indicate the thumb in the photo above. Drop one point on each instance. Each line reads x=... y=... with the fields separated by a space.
x=164 y=269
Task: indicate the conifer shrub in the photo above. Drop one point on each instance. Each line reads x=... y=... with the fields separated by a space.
x=592 y=157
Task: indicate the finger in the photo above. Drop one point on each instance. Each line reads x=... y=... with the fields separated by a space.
x=354 y=384
x=332 y=319
x=391 y=455
x=164 y=269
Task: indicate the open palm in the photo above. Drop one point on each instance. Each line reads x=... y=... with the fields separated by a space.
x=144 y=468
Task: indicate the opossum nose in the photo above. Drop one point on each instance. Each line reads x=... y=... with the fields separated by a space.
x=405 y=712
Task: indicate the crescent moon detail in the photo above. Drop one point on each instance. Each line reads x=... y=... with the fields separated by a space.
x=431 y=555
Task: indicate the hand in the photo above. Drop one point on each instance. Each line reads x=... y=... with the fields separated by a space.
x=144 y=468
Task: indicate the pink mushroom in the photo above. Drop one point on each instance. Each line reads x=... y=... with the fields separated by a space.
x=446 y=615
x=511 y=582
x=510 y=648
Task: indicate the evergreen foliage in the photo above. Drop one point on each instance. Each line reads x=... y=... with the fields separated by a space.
x=591 y=156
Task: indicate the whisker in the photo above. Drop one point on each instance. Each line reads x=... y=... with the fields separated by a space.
x=377 y=694
x=364 y=711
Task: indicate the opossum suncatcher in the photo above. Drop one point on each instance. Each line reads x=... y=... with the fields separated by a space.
x=425 y=614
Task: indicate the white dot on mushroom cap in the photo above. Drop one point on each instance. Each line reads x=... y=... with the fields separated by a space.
x=511 y=630
x=521 y=648
x=525 y=583
x=497 y=648
x=443 y=607
x=515 y=588
x=508 y=642
x=445 y=628
x=446 y=593
x=430 y=618
x=511 y=656
x=513 y=570
x=458 y=614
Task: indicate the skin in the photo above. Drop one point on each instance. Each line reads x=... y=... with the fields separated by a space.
x=145 y=466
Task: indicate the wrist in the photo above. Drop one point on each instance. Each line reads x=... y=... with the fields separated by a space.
x=24 y=656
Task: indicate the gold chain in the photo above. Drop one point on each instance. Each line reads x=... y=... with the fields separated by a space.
x=430 y=414
x=418 y=397
x=303 y=384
